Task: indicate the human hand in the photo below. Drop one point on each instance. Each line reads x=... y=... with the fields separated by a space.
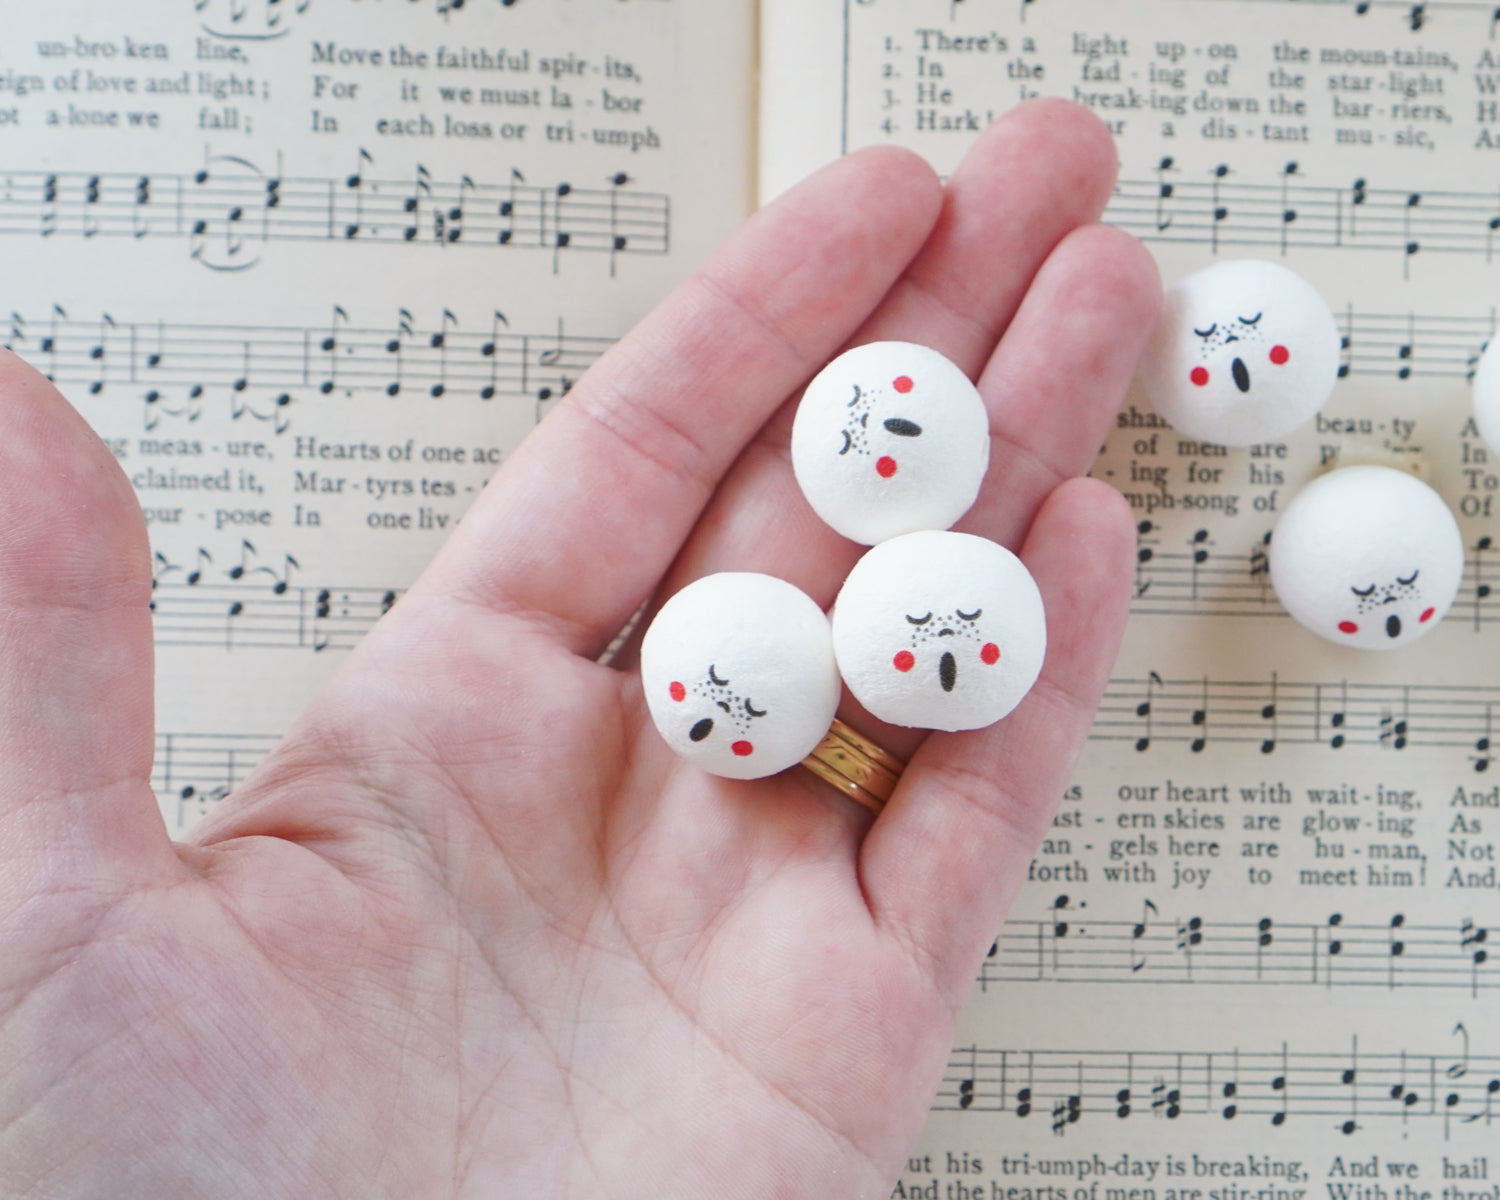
x=471 y=930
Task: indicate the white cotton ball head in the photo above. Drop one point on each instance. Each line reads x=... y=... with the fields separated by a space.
x=890 y=438
x=1487 y=395
x=1244 y=351
x=1367 y=556
x=939 y=630
x=739 y=674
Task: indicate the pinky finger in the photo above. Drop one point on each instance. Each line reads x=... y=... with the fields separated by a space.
x=945 y=859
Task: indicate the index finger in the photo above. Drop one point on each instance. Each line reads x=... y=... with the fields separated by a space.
x=578 y=528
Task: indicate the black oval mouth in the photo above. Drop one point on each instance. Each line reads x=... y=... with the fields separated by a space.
x=1241 y=374
x=1393 y=626
x=947 y=671
x=702 y=729
x=901 y=427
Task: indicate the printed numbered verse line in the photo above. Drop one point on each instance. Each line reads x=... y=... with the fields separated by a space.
x=1348 y=1088
x=1071 y=946
x=173 y=370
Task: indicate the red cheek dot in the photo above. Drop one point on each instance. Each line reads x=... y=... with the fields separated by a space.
x=679 y=693
x=1426 y=616
x=905 y=661
x=1348 y=627
x=743 y=749
x=903 y=384
x=1279 y=355
x=990 y=655
x=1199 y=376
x=886 y=467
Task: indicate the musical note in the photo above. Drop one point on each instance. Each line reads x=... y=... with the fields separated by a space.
x=1417 y=17
x=488 y=350
x=1482 y=744
x=1348 y=1078
x=966 y=1085
x=1412 y=246
x=1288 y=212
x=1269 y=712
x=1396 y=948
x=619 y=240
x=1199 y=720
x=1164 y=193
x=1476 y=567
x=440 y=344
x=1406 y=349
x=1142 y=926
x=1144 y=553
x=1264 y=939
x=1279 y=1086
x=396 y=346
x=1220 y=211
x=1199 y=547
x=562 y=238
x=1394 y=726
x=1143 y=711
x=355 y=186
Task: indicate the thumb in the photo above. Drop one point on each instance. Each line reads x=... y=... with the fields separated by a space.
x=76 y=737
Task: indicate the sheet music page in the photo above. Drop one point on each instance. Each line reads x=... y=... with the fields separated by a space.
x=314 y=267
x=1253 y=960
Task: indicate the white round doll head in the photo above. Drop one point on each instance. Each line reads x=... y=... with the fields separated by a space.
x=739 y=674
x=889 y=438
x=1487 y=395
x=1244 y=351
x=1367 y=556
x=939 y=630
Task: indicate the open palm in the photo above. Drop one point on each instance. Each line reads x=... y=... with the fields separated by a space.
x=471 y=930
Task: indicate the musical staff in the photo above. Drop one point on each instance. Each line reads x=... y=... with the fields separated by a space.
x=261 y=370
x=230 y=209
x=259 y=609
x=1414 y=13
x=1397 y=952
x=194 y=771
x=1275 y=712
x=1348 y=1091
x=1222 y=209
x=1194 y=581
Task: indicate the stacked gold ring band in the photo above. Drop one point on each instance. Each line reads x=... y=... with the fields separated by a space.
x=856 y=766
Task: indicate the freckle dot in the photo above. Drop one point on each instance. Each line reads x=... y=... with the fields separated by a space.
x=1199 y=376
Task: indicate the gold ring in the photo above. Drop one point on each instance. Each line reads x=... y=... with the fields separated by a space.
x=856 y=766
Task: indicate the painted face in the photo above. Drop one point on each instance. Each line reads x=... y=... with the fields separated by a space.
x=1367 y=556
x=938 y=630
x=889 y=438
x=1245 y=351
x=739 y=674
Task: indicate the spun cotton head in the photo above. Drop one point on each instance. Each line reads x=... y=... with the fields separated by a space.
x=739 y=674
x=1244 y=351
x=890 y=438
x=939 y=630
x=1367 y=556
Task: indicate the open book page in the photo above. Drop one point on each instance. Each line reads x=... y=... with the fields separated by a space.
x=314 y=267
x=1254 y=958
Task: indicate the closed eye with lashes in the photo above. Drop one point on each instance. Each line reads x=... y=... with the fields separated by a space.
x=919 y=620
x=1363 y=592
x=1209 y=332
x=973 y=616
x=1252 y=320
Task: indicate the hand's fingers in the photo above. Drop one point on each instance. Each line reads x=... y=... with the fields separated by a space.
x=1055 y=383
x=76 y=740
x=609 y=486
x=943 y=862
x=1034 y=176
